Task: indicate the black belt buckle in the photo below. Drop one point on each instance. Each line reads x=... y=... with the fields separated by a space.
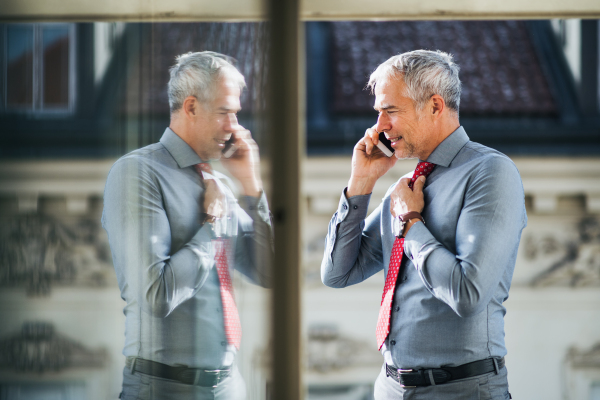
x=215 y=374
x=405 y=371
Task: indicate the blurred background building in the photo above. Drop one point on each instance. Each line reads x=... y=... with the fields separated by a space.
x=74 y=97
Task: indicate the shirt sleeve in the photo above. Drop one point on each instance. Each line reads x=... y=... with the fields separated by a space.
x=353 y=250
x=487 y=238
x=140 y=239
x=254 y=245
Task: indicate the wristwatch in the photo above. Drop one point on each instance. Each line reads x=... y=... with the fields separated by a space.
x=205 y=217
x=400 y=221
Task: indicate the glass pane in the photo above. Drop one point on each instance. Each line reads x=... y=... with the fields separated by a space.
x=141 y=274
x=595 y=391
x=55 y=49
x=41 y=391
x=517 y=97
x=19 y=71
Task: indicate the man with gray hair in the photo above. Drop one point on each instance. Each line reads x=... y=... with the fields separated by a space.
x=446 y=236
x=176 y=233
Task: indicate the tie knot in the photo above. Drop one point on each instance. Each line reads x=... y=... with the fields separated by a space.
x=423 y=169
x=203 y=167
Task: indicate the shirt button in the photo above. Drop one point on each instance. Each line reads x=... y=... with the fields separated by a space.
x=404 y=278
x=393 y=342
x=345 y=207
x=355 y=207
x=223 y=343
x=397 y=308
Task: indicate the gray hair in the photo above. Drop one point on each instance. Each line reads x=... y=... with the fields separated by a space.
x=425 y=73
x=196 y=74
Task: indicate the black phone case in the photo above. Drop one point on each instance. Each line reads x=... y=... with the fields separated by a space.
x=385 y=144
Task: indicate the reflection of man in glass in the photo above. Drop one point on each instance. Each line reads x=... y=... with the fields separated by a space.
x=445 y=234
x=176 y=232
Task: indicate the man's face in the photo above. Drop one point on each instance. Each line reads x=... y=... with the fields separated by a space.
x=403 y=124
x=217 y=120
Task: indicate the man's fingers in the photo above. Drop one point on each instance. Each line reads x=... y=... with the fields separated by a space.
x=404 y=181
x=214 y=198
x=419 y=183
x=210 y=186
x=242 y=133
x=368 y=144
x=373 y=134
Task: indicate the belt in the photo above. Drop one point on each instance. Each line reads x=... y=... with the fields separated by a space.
x=437 y=376
x=188 y=376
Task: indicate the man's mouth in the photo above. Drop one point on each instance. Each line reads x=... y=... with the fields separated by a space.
x=395 y=140
x=221 y=142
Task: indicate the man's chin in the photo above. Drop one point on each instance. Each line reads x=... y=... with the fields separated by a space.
x=401 y=155
x=215 y=155
x=405 y=153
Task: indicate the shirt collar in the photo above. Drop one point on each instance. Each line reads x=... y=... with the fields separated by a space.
x=179 y=149
x=449 y=148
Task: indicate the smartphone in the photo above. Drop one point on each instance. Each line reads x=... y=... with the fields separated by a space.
x=385 y=145
x=230 y=147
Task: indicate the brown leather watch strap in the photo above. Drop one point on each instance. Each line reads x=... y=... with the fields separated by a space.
x=205 y=217
x=411 y=215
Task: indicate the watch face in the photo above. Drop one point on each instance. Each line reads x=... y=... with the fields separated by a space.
x=397 y=226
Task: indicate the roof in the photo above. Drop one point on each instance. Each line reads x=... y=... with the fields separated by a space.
x=245 y=42
x=500 y=71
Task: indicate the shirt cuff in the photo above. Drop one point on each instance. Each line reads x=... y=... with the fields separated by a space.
x=204 y=235
x=353 y=209
x=418 y=235
x=253 y=205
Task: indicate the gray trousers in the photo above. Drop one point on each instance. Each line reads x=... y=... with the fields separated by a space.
x=140 y=386
x=482 y=387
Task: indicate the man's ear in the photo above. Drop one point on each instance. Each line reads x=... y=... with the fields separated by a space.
x=190 y=107
x=437 y=106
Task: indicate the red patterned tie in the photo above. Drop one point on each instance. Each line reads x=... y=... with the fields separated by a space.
x=383 y=321
x=231 y=318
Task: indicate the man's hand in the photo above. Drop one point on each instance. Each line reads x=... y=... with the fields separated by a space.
x=244 y=164
x=404 y=200
x=368 y=164
x=215 y=203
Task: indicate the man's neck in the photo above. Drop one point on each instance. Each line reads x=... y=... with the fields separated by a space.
x=182 y=131
x=446 y=129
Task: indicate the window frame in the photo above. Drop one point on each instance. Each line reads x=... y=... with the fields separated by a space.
x=37 y=107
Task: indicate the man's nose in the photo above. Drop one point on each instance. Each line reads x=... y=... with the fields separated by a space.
x=232 y=122
x=383 y=123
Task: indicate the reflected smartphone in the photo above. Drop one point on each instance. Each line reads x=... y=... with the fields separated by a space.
x=230 y=147
x=385 y=145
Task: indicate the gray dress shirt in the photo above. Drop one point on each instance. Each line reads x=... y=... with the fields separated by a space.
x=164 y=257
x=457 y=268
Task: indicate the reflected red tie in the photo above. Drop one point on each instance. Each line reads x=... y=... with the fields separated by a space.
x=231 y=318
x=383 y=321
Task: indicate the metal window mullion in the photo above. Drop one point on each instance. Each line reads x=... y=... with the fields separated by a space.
x=72 y=69
x=285 y=99
x=38 y=68
x=4 y=38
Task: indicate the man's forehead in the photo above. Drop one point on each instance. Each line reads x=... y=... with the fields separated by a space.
x=227 y=96
x=389 y=93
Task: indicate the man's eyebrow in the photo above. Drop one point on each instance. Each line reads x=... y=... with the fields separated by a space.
x=229 y=109
x=384 y=106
